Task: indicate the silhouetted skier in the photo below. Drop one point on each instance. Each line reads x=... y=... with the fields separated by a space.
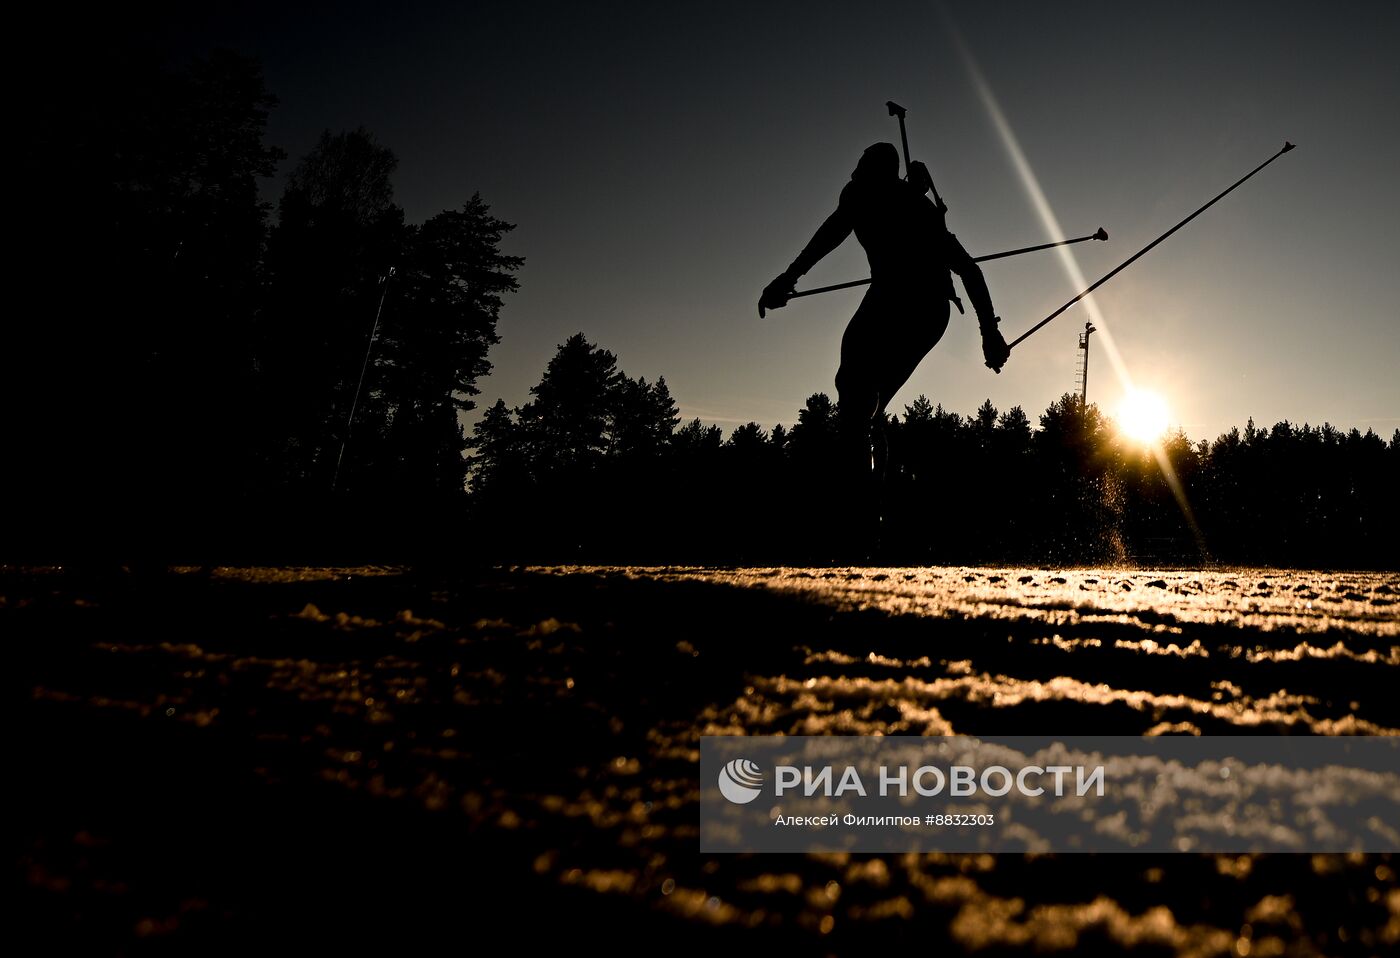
x=903 y=314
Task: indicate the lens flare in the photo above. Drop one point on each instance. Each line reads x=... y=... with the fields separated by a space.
x=1142 y=416
x=1051 y=224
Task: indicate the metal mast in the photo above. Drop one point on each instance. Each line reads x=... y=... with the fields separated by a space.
x=1082 y=373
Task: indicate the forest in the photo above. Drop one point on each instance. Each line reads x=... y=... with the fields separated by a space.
x=598 y=467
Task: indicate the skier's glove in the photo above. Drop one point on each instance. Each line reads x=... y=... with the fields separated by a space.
x=994 y=348
x=776 y=294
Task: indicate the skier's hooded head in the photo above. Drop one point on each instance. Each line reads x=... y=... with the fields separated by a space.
x=880 y=161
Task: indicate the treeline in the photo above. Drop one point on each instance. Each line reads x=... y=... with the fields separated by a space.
x=597 y=467
x=190 y=373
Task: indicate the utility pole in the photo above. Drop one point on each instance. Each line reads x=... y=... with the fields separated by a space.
x=369 y=348
x=1083 y=370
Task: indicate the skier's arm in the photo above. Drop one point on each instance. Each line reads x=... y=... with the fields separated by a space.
x=831 y=234
x=994 y=348
x=971 y=275
x=828 y=236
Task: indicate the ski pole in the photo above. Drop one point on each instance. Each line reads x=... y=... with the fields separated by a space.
x=1131 y=259
x=1102 y=234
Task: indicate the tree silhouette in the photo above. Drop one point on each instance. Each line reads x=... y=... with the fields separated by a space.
x=148 y=356
x=749 y=442
x=592 y=444
x=814 y=436
x=436 y=332
x=644 y=417
x=499 y=461
x=983 y=425
x=1013 y=431
x=695 y=440
x=565 y=428
x=339 y=233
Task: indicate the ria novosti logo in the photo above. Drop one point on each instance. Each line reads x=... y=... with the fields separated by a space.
x=741 y=781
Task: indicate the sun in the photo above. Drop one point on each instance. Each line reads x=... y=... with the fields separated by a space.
x=1142 y=416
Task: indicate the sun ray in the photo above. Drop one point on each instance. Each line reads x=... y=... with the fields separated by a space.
x=1051 y=223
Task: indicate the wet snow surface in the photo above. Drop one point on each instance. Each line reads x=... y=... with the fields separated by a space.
x=364 y=753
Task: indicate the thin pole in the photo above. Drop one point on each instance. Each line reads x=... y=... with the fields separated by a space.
x=1102 y=234
x=1084 y=381
x=828 y=289
x=1132 y=259
x=1084 y=386
x=350 y=419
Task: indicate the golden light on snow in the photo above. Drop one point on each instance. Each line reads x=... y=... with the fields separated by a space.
x=1142 y=416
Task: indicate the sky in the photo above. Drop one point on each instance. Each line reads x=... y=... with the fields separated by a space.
x=663 y=162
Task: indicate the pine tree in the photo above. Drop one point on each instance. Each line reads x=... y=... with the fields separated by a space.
x=338 y=235
x=437 y=330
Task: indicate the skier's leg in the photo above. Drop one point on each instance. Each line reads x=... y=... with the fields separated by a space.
x=921 y=325
x=920 y=328
x=858 y=404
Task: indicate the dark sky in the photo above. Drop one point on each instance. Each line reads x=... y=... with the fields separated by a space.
x=663 y=161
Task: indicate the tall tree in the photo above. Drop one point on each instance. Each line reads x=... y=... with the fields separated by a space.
x=920 y=410
x=695 y=440
x=437 y=328
x=814 y=438
x=338 y=235
x=565 y=427
x=644 y=418
x=983 y=425
x=1014 y=431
